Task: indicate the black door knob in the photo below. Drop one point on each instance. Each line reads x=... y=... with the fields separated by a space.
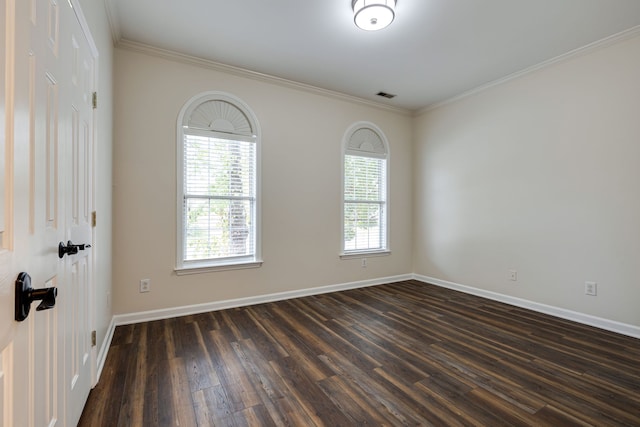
x=70 y=248
x=25 y=295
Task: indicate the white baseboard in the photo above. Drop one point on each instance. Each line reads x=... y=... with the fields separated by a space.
x=167 y=313
x=104 y=348
x=586 y=319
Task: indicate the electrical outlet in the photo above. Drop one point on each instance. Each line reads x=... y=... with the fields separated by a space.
x=513 y=275
x=591 y=288
x=364 y=263
x=145 y=285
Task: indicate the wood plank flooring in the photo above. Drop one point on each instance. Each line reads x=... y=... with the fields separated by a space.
x=405 y=353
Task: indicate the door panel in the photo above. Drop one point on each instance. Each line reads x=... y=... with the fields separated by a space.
x=47 y=139
x=3 y=386
x=79 y=205
x=46 y=182
x=7 y=326
x=45 y=357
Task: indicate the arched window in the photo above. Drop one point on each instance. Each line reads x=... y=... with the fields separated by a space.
x=218 y=184
x=364 y=177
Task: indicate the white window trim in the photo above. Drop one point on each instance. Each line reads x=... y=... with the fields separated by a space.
x=360 y=253
x=233 y=263
x=364 y=254
x=195 y=268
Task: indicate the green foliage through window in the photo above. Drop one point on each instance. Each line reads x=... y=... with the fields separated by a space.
x=219 y=197
x=364 y=202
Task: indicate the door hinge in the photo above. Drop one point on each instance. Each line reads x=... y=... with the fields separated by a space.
x=93 y=338
x=94 y=100
x=94 y=220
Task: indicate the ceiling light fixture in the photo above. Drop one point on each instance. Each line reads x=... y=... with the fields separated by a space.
x=372 y=15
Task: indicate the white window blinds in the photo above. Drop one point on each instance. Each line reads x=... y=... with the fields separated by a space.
x=365 y=192
x=219 y=197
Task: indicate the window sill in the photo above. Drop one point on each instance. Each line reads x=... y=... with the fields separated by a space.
x=197 y=269
x=364 y=254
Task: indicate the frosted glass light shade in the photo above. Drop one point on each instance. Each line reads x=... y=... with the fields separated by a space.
x=372 y=15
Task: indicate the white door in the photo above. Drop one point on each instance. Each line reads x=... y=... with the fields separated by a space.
x=79 y=208
x=48 y=62
x=41 y=100
x=7 y=269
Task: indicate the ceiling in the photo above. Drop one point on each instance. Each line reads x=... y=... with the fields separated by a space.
x=434 y=50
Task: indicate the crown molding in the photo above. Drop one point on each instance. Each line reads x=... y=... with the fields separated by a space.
x=241 y=72
x=591 y=47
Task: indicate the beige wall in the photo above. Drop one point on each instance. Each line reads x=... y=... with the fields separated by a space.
x=96 y=17
x=301 y=157
x=540 y=174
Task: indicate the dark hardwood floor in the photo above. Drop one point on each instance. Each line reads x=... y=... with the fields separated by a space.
x=400 y=354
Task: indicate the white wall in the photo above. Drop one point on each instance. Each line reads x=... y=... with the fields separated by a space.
x=301 y=157
x=540 y=174
x=94 y=12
